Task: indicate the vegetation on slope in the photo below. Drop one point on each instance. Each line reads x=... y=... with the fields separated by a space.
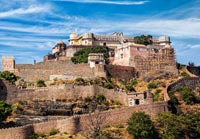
x=5 y=110
x=167 y=126
x=141 y=126
x=9 y=76
x=81 y=56
x=183 y=96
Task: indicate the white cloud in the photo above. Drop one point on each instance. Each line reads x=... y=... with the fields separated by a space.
x=24 y=11
x=107 y=2
x=195 y=46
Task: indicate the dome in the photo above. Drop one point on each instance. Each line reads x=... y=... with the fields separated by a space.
x=73 y=35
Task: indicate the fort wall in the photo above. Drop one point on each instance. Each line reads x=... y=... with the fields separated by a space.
x=16 y=132
x=193 y=71
x=43 y=70
x=61 y=92
x=65 y=92
x=121 y=72
x=191 y=82
x=81 y=123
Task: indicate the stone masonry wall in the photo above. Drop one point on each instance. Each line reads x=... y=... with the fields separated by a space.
x=81 y=123
x=194 y=70
x=121 y=72
x=16 y=132
x=67 y=92
x=191 y=82
x=43 y=70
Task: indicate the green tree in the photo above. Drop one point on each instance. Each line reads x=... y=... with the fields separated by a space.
x=170 y=126
x=191 y=64
x=141 y=126
x=143 y=39
x=9 y=76
x=192 y=125
x=5 y=110
x=81 y=56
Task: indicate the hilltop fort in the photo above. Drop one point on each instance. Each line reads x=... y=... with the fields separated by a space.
x=124 y=55
x=73 y=89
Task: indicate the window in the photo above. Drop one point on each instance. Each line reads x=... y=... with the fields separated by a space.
x=121 y=55
x=137 y=101
x=138 y=49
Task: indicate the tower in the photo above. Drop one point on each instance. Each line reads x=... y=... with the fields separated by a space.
x=8 y=63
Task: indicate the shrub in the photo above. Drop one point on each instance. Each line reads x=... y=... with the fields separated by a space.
x=189 y=97
x=40 y=83
x=100 y=98
x=33 y=136
x=79 y=79
x=9 y=76
x=53 y=132
x=65 y=133
x=87 y=99
x=184 y=74
x=156 y=94
x=97 y=81
x=133 y=82
x=5 y=110
x=116 y=103
x=108 y=85
x=130 y=88
x=152 y=86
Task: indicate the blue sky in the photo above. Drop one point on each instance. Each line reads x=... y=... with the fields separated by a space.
x=30 y=28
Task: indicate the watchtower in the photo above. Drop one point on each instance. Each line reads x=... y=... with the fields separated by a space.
x=8 y=63
x=96 y=58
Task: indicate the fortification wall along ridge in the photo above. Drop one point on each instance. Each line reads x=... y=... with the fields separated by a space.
x=193 y=71
x=16 y=132
x=81 y=123
x=43 y=70
x=191 y=82
x=63 y=91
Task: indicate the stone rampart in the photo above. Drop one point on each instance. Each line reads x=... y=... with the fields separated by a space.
x=112 y=94
x=194 y=71
x=59 y=92
x=121 y=72
x=16 y=132
x=81 y=123
x=191 y=82
x=43 y=70
x=68 y=91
